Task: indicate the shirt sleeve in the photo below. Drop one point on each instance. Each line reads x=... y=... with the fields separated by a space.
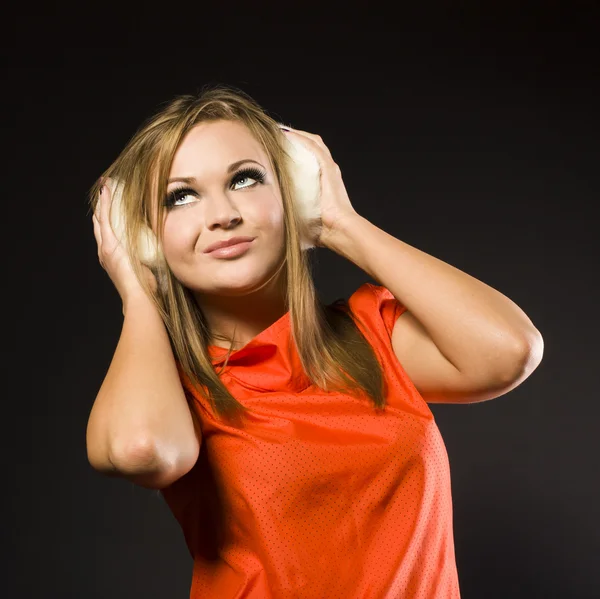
x=378 y=310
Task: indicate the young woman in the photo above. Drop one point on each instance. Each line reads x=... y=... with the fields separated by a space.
x=292 y=440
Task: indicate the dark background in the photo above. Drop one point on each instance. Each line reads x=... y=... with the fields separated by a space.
x=469 y=132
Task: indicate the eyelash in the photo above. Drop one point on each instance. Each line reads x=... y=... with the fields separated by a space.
x=181 y=192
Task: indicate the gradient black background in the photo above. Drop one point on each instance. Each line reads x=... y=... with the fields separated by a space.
x=470 y=132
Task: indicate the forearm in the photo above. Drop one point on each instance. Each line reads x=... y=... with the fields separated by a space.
x=140 y=421
x=472 y=324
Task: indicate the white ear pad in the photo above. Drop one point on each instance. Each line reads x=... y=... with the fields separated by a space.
x=145 y=247
x=305 y=173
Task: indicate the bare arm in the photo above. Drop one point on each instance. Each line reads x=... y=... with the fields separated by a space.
x=140 y=426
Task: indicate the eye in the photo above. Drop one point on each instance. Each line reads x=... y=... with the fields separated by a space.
x=176 y=195
x=241 y=179
x=247 y=177
x=248 y=173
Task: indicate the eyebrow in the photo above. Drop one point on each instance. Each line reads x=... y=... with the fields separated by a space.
x=230 y=169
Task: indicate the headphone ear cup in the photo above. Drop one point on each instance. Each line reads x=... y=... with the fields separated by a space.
x=146 y=242
x=305 y=174
x=147 y=248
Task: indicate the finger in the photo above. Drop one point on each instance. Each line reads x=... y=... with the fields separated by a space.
x=98 y=236
x=98 y=209
x=105 y=199
x=98 y=206
x=97 y=230
x=300 y=131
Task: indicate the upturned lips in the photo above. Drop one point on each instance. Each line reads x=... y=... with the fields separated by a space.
x=226 y=242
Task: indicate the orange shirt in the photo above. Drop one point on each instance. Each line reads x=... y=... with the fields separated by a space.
x=318 y=495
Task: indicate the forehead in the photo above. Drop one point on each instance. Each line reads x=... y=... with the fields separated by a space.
x=212 y=146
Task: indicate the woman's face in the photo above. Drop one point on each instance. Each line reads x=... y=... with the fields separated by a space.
x=222 y=199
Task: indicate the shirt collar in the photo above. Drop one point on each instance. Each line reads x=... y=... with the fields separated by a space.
x=268 y=362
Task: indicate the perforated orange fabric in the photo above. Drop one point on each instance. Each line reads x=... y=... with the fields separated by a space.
x=319 y=495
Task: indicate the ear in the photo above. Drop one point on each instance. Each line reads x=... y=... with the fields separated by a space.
x=146 y=241
x=305 y=174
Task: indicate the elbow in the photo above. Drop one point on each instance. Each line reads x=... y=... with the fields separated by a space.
x=154 y=465
x=527 y=354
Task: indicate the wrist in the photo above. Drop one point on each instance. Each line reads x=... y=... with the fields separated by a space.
x=136 y=299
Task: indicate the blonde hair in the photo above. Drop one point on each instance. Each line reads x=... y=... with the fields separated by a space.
x=333 y=351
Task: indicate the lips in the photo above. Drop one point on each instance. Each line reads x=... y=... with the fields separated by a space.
x=226 y=243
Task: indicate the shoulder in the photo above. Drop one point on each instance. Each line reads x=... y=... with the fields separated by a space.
x=376 y=307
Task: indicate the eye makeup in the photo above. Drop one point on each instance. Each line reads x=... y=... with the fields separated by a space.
x=178 y=193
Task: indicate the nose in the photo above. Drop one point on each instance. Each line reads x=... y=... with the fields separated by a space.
x=221 y=212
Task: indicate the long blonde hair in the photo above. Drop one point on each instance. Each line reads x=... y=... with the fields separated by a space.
x=334 y=353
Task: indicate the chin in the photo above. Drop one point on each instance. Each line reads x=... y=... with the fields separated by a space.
x=234 y=277
x=238 y=283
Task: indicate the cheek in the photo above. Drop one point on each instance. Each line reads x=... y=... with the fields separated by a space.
x=181 y=231
x=271 y=214
x=273 y=227
x=178 y=234
x=274 y=220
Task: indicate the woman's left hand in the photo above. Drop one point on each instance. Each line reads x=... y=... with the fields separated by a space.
x=335 y=203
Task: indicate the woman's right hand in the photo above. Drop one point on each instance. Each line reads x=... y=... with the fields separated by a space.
x=112 y=255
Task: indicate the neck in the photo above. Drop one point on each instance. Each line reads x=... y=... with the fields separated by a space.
x=242 y=317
